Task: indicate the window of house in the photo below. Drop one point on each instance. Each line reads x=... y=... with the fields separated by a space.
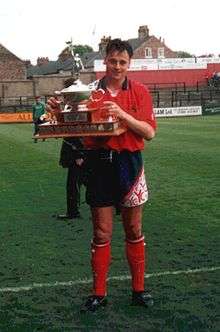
x=160 y=52
x=148 y=52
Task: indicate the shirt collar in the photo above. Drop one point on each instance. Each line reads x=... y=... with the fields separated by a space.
x=102 y=84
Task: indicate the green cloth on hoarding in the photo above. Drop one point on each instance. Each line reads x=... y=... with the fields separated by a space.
x=210 y=109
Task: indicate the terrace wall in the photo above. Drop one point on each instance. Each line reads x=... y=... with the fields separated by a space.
x=38 y=85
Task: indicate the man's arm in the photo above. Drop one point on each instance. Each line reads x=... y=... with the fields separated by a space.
x=141 y=128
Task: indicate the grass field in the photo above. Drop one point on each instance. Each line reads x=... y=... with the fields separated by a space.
x=45 y=263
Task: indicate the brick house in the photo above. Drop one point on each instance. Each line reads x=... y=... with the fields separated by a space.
x=147 y=46
x=144 y=46
x=11 y=67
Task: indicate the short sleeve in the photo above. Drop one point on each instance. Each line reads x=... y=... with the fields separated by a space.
x=145 y=106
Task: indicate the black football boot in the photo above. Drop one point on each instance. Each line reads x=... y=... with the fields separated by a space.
x=93 y=303
x=143 y=299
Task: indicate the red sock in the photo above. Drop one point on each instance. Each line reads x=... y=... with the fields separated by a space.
x=135 y=251
x=100 y=261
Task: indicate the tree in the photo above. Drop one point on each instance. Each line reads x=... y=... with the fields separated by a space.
x=183 y=54
x=81 y=49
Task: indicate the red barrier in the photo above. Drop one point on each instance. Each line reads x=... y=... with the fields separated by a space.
x=21 y=117
x=190 y=76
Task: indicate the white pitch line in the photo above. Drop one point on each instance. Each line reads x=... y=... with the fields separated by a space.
x=88 y=281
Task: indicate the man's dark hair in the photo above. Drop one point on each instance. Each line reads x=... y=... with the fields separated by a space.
x=119 y=46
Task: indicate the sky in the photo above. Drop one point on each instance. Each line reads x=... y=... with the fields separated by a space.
x=32 y=29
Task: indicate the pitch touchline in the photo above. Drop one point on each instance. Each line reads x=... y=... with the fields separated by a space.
x=87 y=281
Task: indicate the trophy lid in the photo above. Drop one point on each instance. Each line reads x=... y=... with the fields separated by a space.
x=77 y=87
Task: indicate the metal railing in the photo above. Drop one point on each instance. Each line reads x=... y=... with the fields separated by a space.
x=178 y=95
x=18 y=104
x=168 y=85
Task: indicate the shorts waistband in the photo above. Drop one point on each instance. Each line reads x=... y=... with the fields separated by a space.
x=102 y=154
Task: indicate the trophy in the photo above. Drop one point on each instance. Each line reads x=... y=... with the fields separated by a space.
x=80 y=110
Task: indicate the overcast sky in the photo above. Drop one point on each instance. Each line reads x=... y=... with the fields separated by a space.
x=40 y=28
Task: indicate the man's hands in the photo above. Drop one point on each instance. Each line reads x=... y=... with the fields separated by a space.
x=114 y=110
x=141 y=128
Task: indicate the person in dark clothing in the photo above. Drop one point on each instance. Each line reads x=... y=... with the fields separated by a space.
x=38 y=110
x=72 y=158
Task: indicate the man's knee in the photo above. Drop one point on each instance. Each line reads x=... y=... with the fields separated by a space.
x=101 y=236
x=133 y=232
x=132 y=221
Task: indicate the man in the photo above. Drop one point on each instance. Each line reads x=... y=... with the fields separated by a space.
x=72 y=159
x=38 y=110
x=115 y=175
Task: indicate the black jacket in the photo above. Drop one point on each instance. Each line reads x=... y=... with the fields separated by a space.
x=70 y=151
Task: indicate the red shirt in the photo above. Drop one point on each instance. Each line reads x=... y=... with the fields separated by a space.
x=135 y=99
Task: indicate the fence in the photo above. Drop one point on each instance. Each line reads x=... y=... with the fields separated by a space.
x=179 y=95
x=171 y=85
x=174 y=96
x=192 y=97
x=18 y=104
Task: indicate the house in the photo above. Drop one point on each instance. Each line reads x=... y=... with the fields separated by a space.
x=144 y=46
x=149 y=46
x=11 y=67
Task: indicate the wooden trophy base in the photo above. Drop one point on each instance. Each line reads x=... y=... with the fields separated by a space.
x=61 y=130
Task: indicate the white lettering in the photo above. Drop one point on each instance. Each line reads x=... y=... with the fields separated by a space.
x=178 y=111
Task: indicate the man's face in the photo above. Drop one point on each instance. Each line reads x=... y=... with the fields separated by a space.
x=117 y=64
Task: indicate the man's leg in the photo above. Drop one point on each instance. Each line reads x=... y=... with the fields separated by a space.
x=135 y=251
x=35 y=130
x=72 y=192
x=100 y=256
x=135 y=246
x=101 y=251
x=35 y=127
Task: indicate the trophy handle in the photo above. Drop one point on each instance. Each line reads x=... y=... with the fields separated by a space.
x=97 y=95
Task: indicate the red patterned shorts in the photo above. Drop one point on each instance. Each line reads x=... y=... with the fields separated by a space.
x=115 y=178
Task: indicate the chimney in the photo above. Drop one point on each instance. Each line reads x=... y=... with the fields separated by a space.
x=28 y=63
x=103 y=43
x=65 y=54
x=42 y=61
x=143 y=32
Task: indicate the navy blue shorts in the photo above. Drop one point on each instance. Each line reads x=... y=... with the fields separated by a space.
x=115 y=178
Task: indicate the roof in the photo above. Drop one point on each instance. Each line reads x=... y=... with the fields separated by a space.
x=136 y=42
x=4 y=52
x=88 y=58
x=54 y=67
